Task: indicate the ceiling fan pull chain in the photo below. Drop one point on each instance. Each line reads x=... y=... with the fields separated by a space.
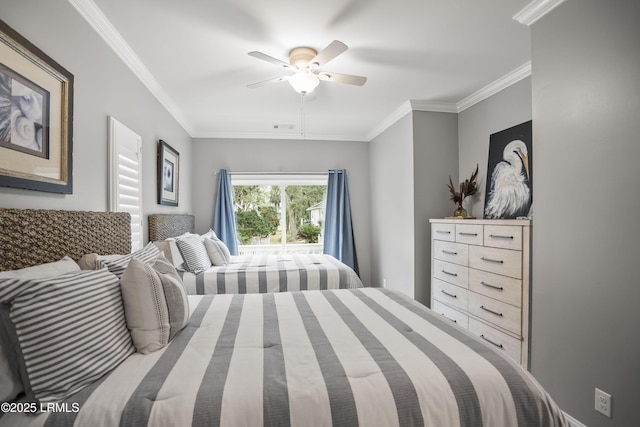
x=303 y=120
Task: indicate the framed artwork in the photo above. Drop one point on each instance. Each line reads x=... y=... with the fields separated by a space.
x=168 y=174
x=36 y=117
x=509 y=192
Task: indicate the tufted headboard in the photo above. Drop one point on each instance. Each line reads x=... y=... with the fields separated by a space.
x=36 y=236
x=162 y=226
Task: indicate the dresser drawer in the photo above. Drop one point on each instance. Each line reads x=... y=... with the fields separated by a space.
x=495 y=260
x=503 y=236
x=503 y=288
x=498 y=313
x=443 y=232
x=456 y=253
x=450 y=294
x=512 y=346
x=454 y=315
x=469 y=233
x=451 y=273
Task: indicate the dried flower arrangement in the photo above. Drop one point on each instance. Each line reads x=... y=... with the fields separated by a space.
x=468 y=187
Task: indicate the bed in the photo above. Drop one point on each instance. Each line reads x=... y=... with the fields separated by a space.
x=254 y=273
x=347 y=357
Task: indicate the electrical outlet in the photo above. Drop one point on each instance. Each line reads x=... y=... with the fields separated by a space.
x=603 y=402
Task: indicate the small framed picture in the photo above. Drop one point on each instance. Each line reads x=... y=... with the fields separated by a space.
x=168 y=174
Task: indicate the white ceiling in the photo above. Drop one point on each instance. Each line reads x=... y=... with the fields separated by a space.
x=193 y=56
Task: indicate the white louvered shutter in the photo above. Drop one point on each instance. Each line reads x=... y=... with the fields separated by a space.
x=125 y=177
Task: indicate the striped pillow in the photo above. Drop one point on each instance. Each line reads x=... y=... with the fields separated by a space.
x=155 y=303
x=147 y=254
x=70 y=330
x=196 y=258
x=9 y=365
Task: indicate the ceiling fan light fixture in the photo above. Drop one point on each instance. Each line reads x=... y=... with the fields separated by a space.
x=304 y=81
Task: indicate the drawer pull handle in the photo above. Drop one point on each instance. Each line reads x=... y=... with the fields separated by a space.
x=498 y=236
x=448 y=294
x=453 y=320
x=490 y=311
x=491 y=342
x=443 y=232
x=496 y=261
x=489 y=285
x=449 y=252
x=450 y=273
x=463 y=233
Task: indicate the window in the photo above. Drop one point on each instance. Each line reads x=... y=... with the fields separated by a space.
x=125 y=177
x=279 y=213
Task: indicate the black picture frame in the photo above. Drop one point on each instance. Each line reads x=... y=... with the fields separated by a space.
x=510 y=157
x=36 y=117
x=168 y=174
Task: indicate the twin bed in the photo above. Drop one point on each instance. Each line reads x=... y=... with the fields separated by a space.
x=254 y=273
x=362 y=356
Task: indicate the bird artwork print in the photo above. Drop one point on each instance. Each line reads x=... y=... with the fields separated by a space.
x=509 y=184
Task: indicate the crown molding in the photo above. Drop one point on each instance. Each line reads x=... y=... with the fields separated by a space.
x=386 y=123
x=283 y=136
x=99 y=22
x=491 y=89
x=433 y=106
x=536 y=10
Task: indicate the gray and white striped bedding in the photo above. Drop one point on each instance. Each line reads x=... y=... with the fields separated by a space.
x=272 y=273
x=367 y=357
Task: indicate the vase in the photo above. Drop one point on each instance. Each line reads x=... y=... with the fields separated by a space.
x=460 y=211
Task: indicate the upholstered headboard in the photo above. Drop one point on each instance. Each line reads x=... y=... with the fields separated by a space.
x=162 y=226
x=34 y=236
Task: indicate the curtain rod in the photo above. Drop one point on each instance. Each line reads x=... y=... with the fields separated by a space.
x=279 y=173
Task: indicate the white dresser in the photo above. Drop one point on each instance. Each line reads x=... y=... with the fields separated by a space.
x=480 y=279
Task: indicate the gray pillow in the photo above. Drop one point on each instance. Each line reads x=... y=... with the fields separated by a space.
x=87 y=335
x=155 y=303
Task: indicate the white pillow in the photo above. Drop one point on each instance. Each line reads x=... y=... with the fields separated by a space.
x=9 y=365
x=155 y=303
x=50 y=269
x=215 y=251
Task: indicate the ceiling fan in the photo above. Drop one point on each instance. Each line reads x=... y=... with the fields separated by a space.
x=305 y=62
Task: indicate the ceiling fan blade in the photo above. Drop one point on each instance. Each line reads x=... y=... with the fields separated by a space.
x=342 y=78
x=271 y=59
x=334 y=49
x=266 y=82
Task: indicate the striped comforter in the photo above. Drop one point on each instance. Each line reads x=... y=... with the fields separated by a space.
x=272 y=273
x=367 y=357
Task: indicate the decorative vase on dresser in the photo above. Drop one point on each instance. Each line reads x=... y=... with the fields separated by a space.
x=480 y=279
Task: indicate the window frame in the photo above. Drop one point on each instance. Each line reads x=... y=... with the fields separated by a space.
x=282 y=180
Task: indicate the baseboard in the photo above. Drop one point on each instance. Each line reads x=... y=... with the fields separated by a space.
x=572 y=421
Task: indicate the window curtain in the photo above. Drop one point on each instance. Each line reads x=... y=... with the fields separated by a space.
x=338 y=231
x=224 y=218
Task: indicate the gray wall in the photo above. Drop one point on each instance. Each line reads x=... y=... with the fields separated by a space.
x=254 y=155
x=392 y=231
x=507 y=108
x=410 y=165
x=586 y=122
x=435 y=157
x=103 y=86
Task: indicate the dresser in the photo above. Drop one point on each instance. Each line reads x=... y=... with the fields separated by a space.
x=480 y=279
